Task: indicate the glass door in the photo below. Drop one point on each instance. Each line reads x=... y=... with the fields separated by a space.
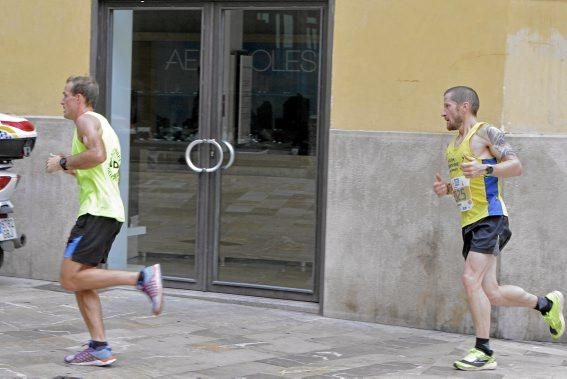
x=162 y=192
x=220 y=136
x=269 y=95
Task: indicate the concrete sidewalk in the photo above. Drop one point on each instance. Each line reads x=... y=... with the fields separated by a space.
x=195 y=338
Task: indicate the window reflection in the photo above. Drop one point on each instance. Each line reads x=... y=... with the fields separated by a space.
x=275 y=64
x=268 y=202
x=165 y=75
x=166 y=50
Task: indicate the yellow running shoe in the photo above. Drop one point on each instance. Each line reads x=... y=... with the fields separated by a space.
x=555 y=315
x=476 y=360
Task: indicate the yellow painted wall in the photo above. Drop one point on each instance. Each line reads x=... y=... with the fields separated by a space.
x=390 y=71
x=393 y=59
x=535 y=80
x=42 y=43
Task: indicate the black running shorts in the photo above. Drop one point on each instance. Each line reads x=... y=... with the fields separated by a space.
x=488 y=235
x=91 y=239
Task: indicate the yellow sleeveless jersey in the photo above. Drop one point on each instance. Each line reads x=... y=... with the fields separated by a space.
x=99 y=192
x=478 y=197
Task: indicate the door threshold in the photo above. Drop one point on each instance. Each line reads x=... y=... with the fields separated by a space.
x=252 y=301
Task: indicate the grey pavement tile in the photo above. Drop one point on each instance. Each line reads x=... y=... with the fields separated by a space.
x=244 y=370
x=411 y=342
x=314 y=329
x=553 y=349
x=55 y=287
x=6 y=342
x=186 y=375
x=358 y=350
x=114 y=372
x=536 y=354
x=292 y=344
x=191 y=360
x=345 y=340
x=68 y=327
x=202 y=339
x=37 y=345
x=37 y=357
x=373 y=370
x=457 y=352
x=325 y=356
x=224 y=344
x=161 y=330
x=117 y=372
x=335 y=362
x=32 y=371
x=290 y=361
x=52 y=287
x=305 y=371
x=26 y=334
x=444 y=371
x=211 y=334
x=251 y=329
x=337 y=351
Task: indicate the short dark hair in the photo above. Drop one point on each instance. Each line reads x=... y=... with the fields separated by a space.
x=461 y=94
x=86 y=86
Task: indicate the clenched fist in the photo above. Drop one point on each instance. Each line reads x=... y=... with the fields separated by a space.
x=440 y=187
x=472 y=168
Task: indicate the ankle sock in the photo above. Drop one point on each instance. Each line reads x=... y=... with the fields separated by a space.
x=483 y=344
x=141 y=278
x=98 y=344
x=543 y=305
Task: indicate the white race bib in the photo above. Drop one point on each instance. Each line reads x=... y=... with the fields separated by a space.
x=462 y=193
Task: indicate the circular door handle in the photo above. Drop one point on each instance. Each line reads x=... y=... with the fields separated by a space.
x=231 y=155
x=220 y=158
x=188 y=155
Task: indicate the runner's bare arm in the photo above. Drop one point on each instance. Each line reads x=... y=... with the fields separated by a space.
x=90 y=133
x=508 y=163
x=496 y=142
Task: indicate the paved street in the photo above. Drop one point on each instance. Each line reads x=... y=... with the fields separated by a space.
x=223 y=338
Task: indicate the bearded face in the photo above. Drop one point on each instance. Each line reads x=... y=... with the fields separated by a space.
x=452 y=113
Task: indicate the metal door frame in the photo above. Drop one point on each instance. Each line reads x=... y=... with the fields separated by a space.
x=207 y=205
x=103 y=70
x=322 y=136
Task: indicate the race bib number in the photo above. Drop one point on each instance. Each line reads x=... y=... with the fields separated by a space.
x=462 y=193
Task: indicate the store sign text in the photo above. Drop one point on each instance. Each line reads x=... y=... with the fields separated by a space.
x=187 y=61
x=292 y=60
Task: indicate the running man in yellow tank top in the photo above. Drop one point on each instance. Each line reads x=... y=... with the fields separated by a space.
x=479 y=158
x=95 y=163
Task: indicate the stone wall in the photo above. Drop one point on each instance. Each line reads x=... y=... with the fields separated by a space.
x=393 y=249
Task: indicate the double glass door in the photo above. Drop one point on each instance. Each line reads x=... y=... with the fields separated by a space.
x=218 y=111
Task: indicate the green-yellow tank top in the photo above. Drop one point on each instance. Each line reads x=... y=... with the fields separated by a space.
x=99 y=191
x=477 y=197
